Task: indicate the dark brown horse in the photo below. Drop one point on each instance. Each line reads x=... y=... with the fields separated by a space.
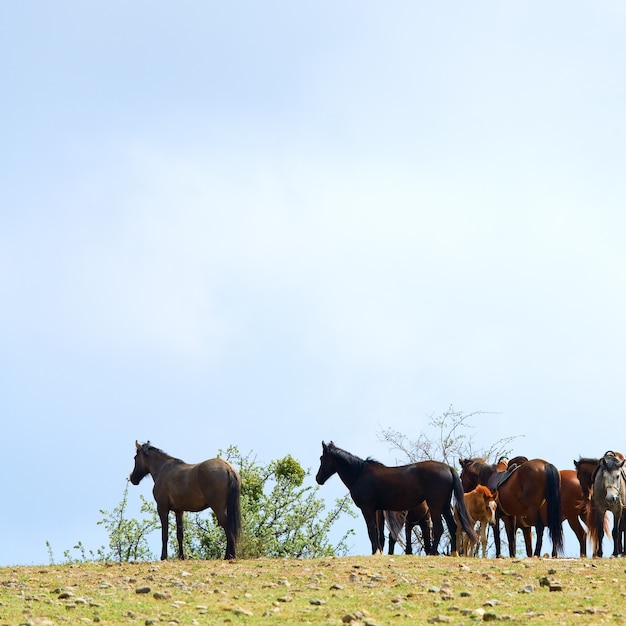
x=181 y=487
x=417 y=516
x=520 y=496
x=573 y=508
x=585 y=468
x=376 y=487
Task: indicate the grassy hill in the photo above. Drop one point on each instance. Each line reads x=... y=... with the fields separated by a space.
x=354 y=590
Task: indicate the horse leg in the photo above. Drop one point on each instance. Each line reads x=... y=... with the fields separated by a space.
x=164 y=517
x=460 y=541
x=496 y=536
x=599 y=537
x=540 y=527
x=179 y=533
x=437 y=532
x=616 y=534
x=509 y=527
x=370 y=517
x=380 y=524
x=483 y=538
x=231 y=536
x=528 y=540
x=426 y=540
x=452 y=526
x=581 y=535
x=408 y=538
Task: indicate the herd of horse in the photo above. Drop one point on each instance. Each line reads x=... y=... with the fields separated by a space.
x=522 y=493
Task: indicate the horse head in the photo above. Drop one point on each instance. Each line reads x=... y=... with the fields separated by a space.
x=327 y=464
x=609 y=480
x=472 y=471
x=489 y=504
x=141 y=469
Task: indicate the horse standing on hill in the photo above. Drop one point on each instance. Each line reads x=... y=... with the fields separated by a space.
x=180 y=487
x=481 y=506
x=520 y=495
x=608 y=493
x=573 y=509
x=376 y=487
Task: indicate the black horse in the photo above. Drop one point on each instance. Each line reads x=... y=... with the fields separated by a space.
x=180 y=487
x=377 y=487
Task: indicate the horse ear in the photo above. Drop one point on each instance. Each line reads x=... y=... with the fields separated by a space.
x=137 y=445
x=324 y=446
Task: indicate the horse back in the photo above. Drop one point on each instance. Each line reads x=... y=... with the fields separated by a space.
x=525 y=489
x=197 y=486
x=402 y=487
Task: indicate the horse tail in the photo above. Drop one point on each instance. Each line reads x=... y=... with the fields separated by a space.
x=464 y=517
x=233 y=505
x=593 y=522
x=553 y=497
x=395 y=521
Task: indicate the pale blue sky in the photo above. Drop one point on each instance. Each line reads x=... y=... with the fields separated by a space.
x=270 y=224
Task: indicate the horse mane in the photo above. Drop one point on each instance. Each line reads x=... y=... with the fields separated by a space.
x=149 y=448
x=587 y=460
x=479 y=464
x=611 y=461
x=355 y=463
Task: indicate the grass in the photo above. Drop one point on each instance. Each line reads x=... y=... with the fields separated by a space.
x=350 y=590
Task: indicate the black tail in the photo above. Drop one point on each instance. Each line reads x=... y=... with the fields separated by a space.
x=553 y=498
x=464 y=518
x=233 y=510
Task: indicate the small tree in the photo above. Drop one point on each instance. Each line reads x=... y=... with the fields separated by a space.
x=281 y=517
x=128 y=538
x=447 y=438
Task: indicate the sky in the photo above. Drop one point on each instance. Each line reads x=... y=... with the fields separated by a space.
x=274 y=224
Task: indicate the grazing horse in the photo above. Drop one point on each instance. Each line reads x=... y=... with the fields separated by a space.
x=608 y=493
x=180 y=487
x=376 y=487
x=520 y=495
x=481 y=506
x=417 y=516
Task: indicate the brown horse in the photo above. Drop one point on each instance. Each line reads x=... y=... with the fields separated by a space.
x=376 y=487
x=520 y=494
x=585 y=468
x=181 y=487
x=573 y=509
x=417 y=516
x=481 y=506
